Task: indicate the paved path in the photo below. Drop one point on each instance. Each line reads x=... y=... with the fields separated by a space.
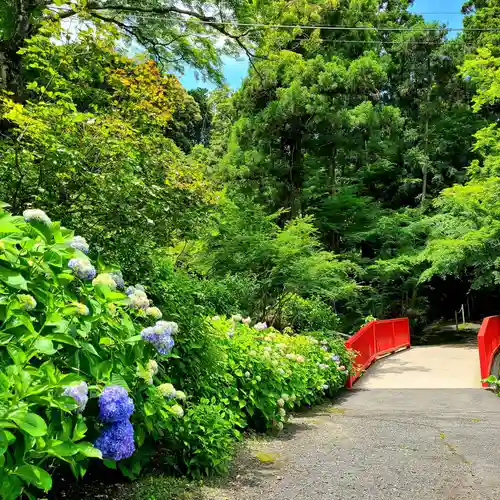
x=384 y=443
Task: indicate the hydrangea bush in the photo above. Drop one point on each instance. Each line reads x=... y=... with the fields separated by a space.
x=68 y=336
x=270 y=373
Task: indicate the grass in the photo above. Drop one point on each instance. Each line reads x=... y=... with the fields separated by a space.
x=164 y=488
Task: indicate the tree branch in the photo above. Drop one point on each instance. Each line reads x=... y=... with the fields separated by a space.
x=152 y=10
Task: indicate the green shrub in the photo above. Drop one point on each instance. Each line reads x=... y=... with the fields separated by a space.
x=305 y=315
x=204 y=443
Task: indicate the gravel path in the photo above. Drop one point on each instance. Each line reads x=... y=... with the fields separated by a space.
x=378 y=444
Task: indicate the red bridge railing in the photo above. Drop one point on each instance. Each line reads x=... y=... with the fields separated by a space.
x=376 y=339
x=488 y=341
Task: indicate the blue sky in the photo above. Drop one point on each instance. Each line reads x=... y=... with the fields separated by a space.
x=236 y=69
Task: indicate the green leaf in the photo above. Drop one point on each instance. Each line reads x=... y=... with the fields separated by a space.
x=13 y=278
x=63 y=338
x=90 y=348
x=11 y=487
x=54 y=258
x=148 y=409
x=45 y=346
x=35 y=476
x=87 y=450
x=70 y=378
x=106 y=341
x=133 y=340
x=110 y=464
x=7 y=225
x=63 y=449
x=17 y=354
x=117 y=379
x=492 y=379
x=31 y=423
x=65 y=278
x=80 y=430
x=6 y=438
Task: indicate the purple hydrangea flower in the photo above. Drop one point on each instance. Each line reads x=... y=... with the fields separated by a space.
x=82 y=268
x=115 y=404
x=80 y=393
x=160 y=335
x=116 y=441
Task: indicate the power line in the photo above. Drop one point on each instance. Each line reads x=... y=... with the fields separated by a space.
x=323 y=27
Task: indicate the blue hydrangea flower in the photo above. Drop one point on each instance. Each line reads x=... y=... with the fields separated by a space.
x=335 y=357
x=116 y=441
x=35 y=215
x=82 y=268
x=130 y=290
x=79 y=243
x=118 y=279
x=115 y=404
x=160 y=335
x=324 y=347
x=80 y=393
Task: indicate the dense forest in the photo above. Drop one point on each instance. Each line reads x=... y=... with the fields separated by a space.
x=354 y=175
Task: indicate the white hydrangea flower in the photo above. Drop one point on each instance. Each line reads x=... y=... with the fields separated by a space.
x=177 y=411
x=154 y=312
x=260 y=326
x=180 y=395
x=167 y=390
x=36 y=215
x=104 y=279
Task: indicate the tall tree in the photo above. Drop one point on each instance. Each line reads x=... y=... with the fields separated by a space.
x=174 y=34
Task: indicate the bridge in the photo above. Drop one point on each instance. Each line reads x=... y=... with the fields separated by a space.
x=424 y=367
x=415 y=424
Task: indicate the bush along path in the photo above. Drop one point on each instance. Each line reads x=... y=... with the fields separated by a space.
x=88 y=366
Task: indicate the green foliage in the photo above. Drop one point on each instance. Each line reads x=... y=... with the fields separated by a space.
x=204 y=443
x=306 y=315
x=90 y=148
x=278 y=261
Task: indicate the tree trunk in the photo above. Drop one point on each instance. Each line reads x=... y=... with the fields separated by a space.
x=22 y=14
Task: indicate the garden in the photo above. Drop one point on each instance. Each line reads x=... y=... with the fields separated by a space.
x=89 y=369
